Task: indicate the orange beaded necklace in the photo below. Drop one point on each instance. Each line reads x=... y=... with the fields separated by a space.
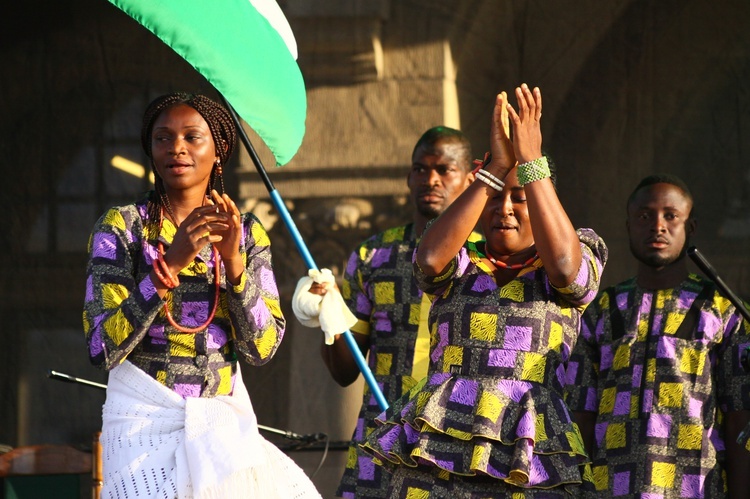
x=172 y=281
x=503 y=265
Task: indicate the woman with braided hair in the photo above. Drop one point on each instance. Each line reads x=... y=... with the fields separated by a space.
x=179 y=286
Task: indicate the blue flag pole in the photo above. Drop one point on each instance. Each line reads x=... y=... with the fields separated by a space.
x=278 y=203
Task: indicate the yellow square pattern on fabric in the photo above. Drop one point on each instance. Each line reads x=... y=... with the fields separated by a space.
x=181 y=345
x=642 y=330
x=114 y=218
x=722 y=303
x=422 y=399
x=407 y=383
x=240 y=286
x=650 y=370
x=533 y=367
x=383 y=363
x=346 y=289
x=260 y=236
x=195 y=268
x=489 y=406
x=662 y=475
x=635 y=407
x=692 y=361
x=161 y=376
x=555 y=336
x=607 y=403
x=168 y=230
x=615 y=436
x=113 y=295
x=512 y=291
x=661 y=298
x=225 y=380
x=415 y=493
x=674 y=319
x=477 y=457
x=86 y=323
x=483 y=326
x=539 y=428
x=222 y=311
x=421 y=357
x=394 y=234
x=385 y=293
x=453 y=356
x=622 y=357
x=601 y=477
x=351 y=457
x=118 y=327
x=266 y=342
x=670 y=394
x=689 y=436
x=414 y=313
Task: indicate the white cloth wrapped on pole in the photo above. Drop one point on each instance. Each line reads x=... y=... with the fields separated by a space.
x=328 y=312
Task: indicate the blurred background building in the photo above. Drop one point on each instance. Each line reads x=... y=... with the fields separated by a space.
x=630 y=88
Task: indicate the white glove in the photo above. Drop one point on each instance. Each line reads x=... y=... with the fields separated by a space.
x=329 y=312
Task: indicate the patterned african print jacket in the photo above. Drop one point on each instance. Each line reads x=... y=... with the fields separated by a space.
x=491 y=407
x=660 y=368
x=124 y=316
x=380 y=290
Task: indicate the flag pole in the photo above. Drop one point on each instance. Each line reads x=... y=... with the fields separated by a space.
x=304 y=252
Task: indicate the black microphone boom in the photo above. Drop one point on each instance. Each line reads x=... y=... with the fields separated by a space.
x=711 y=273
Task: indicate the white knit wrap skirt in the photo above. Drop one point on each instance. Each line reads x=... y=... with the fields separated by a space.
x=157 y=444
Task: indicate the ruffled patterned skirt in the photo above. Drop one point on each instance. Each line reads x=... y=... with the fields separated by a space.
x=481 y=437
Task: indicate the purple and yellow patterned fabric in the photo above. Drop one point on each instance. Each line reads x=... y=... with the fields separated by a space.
x=124 y=317
x=380 y=290
x=660 y=367
x=490 y=417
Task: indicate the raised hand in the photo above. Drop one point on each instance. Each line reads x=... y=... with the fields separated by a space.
x=527 y=132
x=230 y=235
x=202 y=226
x=503 y=157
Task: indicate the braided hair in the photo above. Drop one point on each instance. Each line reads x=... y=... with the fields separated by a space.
x=222 y=129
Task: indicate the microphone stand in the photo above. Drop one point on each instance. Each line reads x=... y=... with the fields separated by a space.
x=711 y=273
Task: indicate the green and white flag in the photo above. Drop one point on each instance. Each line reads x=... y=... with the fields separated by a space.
x=246 y=50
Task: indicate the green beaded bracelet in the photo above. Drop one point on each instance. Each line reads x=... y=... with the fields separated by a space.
x=533 y=171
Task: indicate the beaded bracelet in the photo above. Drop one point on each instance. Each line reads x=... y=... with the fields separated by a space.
x=490 y=180
x=533 y=170
x=161 y=269
x=491 y=177
x=164 y=280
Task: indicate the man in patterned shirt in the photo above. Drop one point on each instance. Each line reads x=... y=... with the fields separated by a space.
x=380 y=290
x=655 y=381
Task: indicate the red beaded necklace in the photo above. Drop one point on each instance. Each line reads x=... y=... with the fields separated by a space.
x=515 y=266
x=217 y=286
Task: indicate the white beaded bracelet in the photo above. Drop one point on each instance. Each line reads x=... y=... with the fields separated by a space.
x=490 y=180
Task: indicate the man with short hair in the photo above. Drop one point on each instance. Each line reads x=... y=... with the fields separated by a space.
x=655 y=380
x=392 y=314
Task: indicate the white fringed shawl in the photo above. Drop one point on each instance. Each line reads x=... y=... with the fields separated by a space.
x=156 y=444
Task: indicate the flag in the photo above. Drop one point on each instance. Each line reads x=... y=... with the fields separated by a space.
x=246 y=50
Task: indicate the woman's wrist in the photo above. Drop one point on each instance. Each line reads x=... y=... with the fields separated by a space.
x=531 y=171
x=234 y=268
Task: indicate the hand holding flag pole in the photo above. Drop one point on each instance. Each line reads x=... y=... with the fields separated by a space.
x=278 y=203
